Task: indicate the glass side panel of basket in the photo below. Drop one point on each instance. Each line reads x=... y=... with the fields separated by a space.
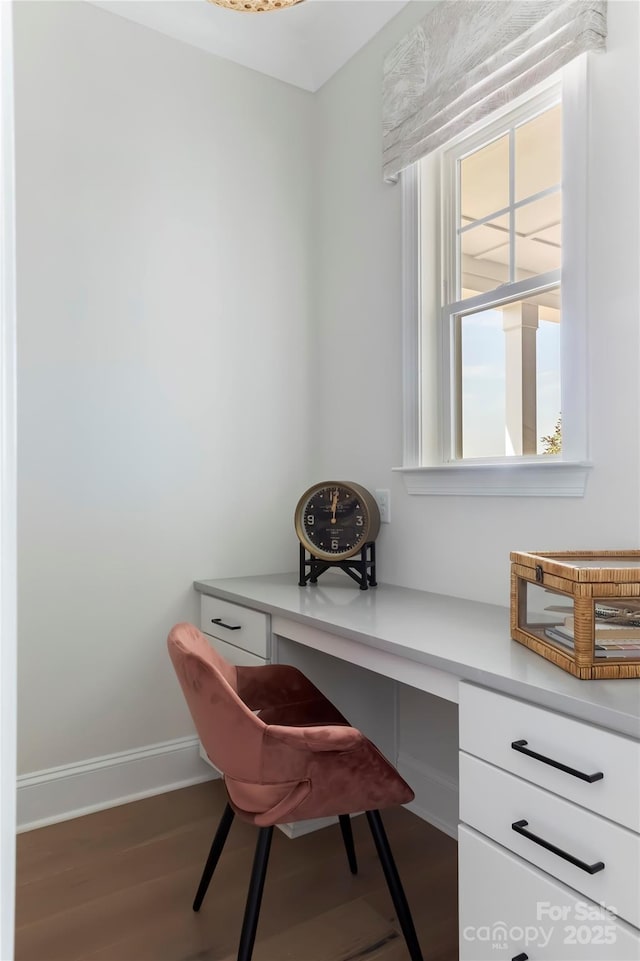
x=617 y=628
x=550 y=616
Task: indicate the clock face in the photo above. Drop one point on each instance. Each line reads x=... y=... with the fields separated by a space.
x=334 y=520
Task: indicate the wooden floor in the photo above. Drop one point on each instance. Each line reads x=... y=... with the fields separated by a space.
x=118 y=886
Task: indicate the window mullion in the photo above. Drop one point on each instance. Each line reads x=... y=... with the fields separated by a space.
x=512 y=213
x=457 y=412
x=455 y=253
x=451 y=279
x=506 y=210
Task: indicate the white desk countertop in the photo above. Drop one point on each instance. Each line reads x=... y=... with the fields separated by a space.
x=466 y=639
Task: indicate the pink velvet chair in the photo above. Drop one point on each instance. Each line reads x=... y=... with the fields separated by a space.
x=287 y=754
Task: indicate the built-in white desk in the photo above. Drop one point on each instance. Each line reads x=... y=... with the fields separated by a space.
x=430 y=641
x=585 y=803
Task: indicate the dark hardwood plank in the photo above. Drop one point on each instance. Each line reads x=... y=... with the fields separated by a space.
x=118 y=886
x=349 y=932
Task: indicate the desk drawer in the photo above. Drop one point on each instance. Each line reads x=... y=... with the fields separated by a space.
x=235 y=655
x=240 y=626
x=508 y=909
x=490 y=723
x=492 y=801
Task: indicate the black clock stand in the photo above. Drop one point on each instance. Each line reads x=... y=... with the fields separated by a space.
x=361 y=567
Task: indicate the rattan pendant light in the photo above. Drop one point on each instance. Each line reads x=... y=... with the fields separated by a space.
x=255 y=6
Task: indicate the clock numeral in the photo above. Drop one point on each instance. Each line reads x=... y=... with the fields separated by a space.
x=311 y=520
x=359 y=520
x=334 y=545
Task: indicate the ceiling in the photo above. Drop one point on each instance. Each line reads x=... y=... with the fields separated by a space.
x=302 y=45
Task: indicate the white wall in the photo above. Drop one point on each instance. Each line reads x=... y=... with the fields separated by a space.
x=460 y=545
x=182 y=224
x=163 y=306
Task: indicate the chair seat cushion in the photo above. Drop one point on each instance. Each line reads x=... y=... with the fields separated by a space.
x=319 y=710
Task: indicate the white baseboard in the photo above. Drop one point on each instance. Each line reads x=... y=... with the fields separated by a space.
x=72 y=790
x=69 y=791
x=436 y=793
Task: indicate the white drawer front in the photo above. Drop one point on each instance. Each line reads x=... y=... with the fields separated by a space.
x=490 y=722
x=236 y=625
x=492 y=800
x=509 y=908
x=235 y=655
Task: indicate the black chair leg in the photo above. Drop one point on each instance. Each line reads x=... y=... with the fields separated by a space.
x=347 y=837
x=393 y=883
x=254 y=897
x=214 y=854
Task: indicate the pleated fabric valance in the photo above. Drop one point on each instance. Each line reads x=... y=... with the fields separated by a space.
x=468 y=57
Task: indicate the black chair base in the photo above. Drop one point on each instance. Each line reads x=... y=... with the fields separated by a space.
x=347 y=837
x=394 y=884
x=259 y=873
x=254 y=896
x=214 y=855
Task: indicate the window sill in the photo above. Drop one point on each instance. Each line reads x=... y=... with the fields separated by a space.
x=522 y=479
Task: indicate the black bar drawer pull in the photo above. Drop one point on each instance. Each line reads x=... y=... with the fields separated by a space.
x=521 y=957
x=221 y=623
x=521 y=747
x=520 y=826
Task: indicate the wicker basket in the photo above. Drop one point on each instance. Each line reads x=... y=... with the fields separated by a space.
x=579 y=609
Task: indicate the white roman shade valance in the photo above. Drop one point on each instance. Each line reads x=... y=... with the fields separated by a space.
x=466 y=58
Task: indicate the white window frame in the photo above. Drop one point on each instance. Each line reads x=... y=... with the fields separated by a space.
x=427 y=465
x=511 y=290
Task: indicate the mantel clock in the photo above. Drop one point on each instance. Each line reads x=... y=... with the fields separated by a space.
x=337 y=523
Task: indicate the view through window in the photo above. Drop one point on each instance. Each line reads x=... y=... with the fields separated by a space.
x=502 y=325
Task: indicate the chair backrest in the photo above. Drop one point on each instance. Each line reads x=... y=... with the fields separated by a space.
x=230 y=733
x=277 y=772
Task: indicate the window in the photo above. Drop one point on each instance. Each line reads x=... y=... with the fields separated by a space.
x=498 y=309
x=501 y=312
